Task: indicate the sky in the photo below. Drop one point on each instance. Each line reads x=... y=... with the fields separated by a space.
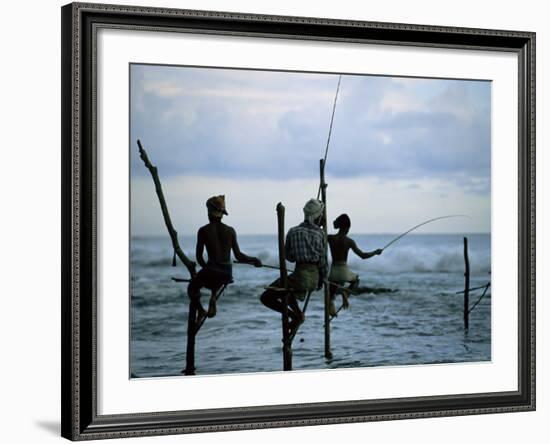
x=402 y=150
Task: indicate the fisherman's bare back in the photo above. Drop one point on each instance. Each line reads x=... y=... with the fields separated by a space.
x=218 y=239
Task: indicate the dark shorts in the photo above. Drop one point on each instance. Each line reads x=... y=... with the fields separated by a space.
x=211 y=278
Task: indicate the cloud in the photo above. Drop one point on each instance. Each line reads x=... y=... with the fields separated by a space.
x=248 y=126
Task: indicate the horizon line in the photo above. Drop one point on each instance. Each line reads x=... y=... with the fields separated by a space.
x=354 y=233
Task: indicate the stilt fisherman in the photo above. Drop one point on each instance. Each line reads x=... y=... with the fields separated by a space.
x=219 y=240
x=340 y=274
x=305 y=246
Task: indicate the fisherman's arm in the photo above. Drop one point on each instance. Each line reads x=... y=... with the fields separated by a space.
x=240 y=256
x=363 y=254
x=200 y=249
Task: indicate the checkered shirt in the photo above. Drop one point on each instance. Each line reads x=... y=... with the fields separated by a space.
x=305 y=243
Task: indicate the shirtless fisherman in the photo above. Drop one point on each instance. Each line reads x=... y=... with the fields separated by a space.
x=340 y=274
x=305 y=246
x=219 y=239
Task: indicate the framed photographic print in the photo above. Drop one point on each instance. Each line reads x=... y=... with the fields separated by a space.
x=277 y=221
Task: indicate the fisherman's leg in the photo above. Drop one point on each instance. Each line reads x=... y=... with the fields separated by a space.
x=345 y=298
x=332 y=289
x=194 y=293
x=295 y=311
x=299 y=281
x=295 y=314
x=215 y=281
x=332 y=292
x=212 y=309
x=351 y=288
x=354 y=285
x=273 y=300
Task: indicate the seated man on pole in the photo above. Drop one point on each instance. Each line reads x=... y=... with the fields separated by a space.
x=219 y=239
x=305 y=246
x=340 y=274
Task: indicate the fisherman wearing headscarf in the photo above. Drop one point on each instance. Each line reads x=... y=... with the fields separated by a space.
x=219 y=240
x=340 y=274
x=305 y=246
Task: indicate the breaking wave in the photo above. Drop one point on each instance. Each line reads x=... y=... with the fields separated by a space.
x=418 y=254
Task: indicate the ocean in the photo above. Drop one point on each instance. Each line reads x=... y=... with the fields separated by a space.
x=419 y=322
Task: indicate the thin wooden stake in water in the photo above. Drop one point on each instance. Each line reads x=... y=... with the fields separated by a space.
x=287 y=344
x=323 y=187
x=466 y=286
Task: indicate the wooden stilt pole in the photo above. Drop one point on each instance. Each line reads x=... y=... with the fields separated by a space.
x=323 y=187
x=466 y=286
x=191 y=333
x=193 y=328
x=287 y=343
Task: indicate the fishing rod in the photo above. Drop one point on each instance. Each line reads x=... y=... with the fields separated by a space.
x=423 y=223
x=330 y=128
x=273 y=267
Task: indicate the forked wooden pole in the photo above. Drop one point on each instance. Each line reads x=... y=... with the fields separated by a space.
x=189 y=264
x=193 y=328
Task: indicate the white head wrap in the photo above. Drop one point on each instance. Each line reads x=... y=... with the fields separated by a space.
x=313 y=209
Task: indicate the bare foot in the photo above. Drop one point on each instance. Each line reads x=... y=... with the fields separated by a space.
x=332 y=308
x=212 y=308
x=201 y=314
x=345 y=300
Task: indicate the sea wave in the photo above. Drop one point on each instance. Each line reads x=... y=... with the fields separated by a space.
x=421 y=254
x=424 y=261
x=406 y=260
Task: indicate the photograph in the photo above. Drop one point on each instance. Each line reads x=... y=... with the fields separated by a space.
x=274 y=221
x=292 y=220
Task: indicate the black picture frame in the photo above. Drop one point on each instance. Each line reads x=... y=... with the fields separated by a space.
x=79 y=211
